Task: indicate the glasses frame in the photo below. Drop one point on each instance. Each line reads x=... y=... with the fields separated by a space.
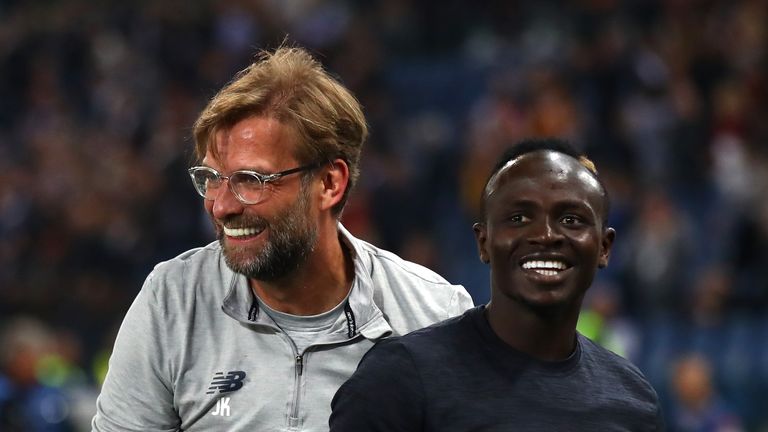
x=262 y=178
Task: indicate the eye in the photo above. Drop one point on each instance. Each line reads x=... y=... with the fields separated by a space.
x=518 y=218
x=208 y=178
x=247 y=180
x=571 y=220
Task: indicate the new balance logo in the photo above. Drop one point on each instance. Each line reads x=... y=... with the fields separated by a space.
x=226 y=383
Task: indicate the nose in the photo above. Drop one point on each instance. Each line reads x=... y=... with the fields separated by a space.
x=546 y=231
x=225 y=203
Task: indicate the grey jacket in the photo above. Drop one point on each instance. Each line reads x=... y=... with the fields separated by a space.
x=195 y=353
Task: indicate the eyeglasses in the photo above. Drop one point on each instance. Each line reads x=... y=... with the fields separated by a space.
x=247 y=186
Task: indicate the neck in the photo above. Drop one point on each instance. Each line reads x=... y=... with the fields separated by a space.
x=546 y=334
x=318 y=285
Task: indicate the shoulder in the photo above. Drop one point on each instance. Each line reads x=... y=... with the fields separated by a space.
x=200 y=257
x=433 y=341
x=598 y=354
x=621 y=371
x=395 y=265
x=191 y=274
x=391 y=272
x=410 y=365
x=446 y=330
x=409 y=295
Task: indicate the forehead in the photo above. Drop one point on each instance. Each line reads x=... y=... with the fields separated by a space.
x=545 y=172
x=251 y=143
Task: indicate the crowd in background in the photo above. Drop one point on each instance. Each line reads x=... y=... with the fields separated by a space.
x=668 y=97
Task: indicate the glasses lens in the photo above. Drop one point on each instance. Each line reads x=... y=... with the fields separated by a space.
x=206 y=181
x=248 y=187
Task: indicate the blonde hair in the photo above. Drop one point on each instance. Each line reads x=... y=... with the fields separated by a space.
x=588 y=164
x=292 y=87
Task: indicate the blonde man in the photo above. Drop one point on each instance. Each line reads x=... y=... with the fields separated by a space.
x=255 y=332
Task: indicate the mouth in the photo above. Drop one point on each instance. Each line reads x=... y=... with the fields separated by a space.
x=545 y=270
x=242 y=233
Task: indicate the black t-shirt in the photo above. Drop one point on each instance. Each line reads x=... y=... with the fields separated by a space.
x=459 y=376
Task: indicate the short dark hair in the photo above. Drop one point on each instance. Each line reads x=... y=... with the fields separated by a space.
x=558 y=145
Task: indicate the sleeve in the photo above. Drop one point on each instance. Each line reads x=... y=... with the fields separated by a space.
x=460 y=302
x=137 y=394
x=385 y=394
x=660 y=423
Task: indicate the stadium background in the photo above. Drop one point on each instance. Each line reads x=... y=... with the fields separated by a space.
x=670 y=98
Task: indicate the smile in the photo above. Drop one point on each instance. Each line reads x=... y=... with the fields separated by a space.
x=545 y=268
x=241 y=232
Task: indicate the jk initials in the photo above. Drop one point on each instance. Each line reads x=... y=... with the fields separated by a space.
x=222 y=408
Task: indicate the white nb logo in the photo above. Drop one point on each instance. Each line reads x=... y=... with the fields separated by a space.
x=222 y=407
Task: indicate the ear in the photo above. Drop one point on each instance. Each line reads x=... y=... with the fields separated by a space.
x=335 y=181
x=605 y=247
x=481 y=236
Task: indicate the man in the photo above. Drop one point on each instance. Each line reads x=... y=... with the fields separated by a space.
x=257 y=331
x=518 y=362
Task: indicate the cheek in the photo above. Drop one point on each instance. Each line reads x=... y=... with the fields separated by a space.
x=501 y=244
x=589 y=245
x=208 y=204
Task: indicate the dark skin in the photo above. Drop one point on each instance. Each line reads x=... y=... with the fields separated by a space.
x=544 y=237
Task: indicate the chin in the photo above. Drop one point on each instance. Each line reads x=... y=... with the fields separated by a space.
x=555 y=301
x=550 y=297
x=240 y=256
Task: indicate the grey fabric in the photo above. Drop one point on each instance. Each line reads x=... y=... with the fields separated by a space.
x=304 y=331
x=195 y=354
x=459 y=376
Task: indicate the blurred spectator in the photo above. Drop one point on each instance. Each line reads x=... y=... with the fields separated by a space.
x=709 y=298
x=697 y=406
x=660 y=245
x=31 y=397
x=747 y=253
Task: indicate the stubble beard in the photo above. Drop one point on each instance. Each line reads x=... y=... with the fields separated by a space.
x=292 y=239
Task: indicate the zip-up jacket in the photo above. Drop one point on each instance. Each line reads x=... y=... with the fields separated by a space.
x=195 y=352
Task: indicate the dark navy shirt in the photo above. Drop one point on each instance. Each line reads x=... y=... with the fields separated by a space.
x=459 y=376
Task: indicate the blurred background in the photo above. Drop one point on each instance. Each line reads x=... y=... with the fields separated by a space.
x=669 y=97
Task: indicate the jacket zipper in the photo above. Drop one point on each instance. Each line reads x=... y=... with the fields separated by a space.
x=293 y=416
x=299 y=364
x=353 y=333
x=293 y=419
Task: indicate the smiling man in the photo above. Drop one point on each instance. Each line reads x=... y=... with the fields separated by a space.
x=518 y=362
x=257 y=331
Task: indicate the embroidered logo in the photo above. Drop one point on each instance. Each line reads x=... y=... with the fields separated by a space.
x=230 y=382
x=222 y=408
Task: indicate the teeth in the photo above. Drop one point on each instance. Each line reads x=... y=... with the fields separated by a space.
x=240 y=232
x=545 y=267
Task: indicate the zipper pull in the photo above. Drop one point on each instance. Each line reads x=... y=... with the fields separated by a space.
x=299 y=364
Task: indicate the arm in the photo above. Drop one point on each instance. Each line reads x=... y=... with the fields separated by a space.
x=137 y=394
x=385 y=394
